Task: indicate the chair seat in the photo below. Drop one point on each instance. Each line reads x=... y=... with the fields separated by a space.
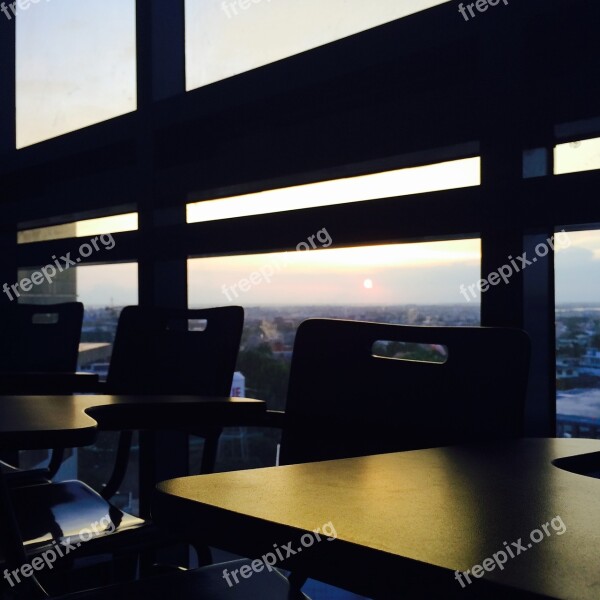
x=71 y=510
x=206 y=583
x=18 y=477
x=7 y=468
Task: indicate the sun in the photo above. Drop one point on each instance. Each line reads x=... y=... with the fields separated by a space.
x=368 y=284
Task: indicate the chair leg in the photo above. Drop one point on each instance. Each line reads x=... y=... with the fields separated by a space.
x=120 y=467
x=203 y=553
x=56 y=460
x=297 y=580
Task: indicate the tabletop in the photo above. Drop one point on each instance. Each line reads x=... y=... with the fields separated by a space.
x=31 y=422
x=412 y=519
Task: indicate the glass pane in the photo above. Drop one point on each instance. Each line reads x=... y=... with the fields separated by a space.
x=76 y=66
x=578 y=335
x=225 y=38
x=401 y=283
x=535 y=163
x=104 y=291
x=103 y=225
x=401 y=182
x=577 y=156
x=57 y=280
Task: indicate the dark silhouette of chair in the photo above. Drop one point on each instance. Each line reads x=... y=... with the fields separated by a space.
x=155 y=352
x=40 y=339
x=345 y=400
x=354 y=402
x=174 y=351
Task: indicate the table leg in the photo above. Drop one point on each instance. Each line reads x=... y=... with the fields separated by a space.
x=163 y=455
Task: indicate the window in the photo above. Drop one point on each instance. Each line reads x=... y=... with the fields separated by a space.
x=88 y=227
x=228 y=37
x=578 y=335
x=75 y=65
x=401 y=182
x=535 y=163
x=401 y=283
x=104 y=290
x=574 y=157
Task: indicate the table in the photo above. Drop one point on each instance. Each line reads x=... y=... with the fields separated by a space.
x=28 y=382
x=410 y=520
x=34 y=422
x=39 y=422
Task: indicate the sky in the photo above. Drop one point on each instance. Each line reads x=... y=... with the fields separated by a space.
x=76 y=58
x=425 y=273
x=71 y=74
x=578 y=156
x=108 y=285
x=577 y=268
x=222 y=39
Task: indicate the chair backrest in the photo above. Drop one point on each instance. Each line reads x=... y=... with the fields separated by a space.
x=40 y=337
x=345 y=401
x=175 y=351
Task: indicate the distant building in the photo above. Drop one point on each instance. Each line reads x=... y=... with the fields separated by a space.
x=63 y=287
x=91 y=355
x=589 y=364
x=238 y=385
x=566 y=369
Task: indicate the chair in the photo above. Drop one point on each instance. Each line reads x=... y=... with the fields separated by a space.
x=154 y=352
x=40 y=339
x=354 y=402
x=174 y=351
x=345 y=400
